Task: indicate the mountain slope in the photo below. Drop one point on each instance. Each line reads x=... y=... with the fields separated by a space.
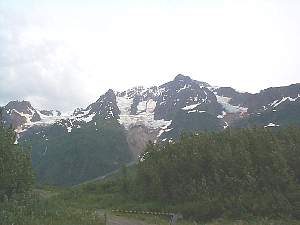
x=65 y=158
x=114 y=129
x=86 y=145
x=284 y=114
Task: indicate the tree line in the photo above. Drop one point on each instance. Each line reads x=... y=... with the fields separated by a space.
x=16 y=175
x=231 y=173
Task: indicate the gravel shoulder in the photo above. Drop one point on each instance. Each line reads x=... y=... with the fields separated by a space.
x=119 y=220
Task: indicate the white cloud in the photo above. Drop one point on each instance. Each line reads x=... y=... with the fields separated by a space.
x=63 y=55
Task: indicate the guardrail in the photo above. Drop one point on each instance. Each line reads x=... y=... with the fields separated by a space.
x=173 y=216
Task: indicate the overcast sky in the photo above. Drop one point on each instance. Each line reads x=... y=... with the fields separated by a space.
x=64 y=54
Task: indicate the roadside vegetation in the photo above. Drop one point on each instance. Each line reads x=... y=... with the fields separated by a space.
x=32 y=209
x=234 y=173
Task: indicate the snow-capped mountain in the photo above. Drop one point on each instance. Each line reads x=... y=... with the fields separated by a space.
x=161 y=108
x=272 y=107
x=187 y=104
x=115 y=128
x=266 y=99
x=21 y=115
x=105 y=107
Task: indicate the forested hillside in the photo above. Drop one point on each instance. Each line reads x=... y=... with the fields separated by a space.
x=16 y=175
x=233 y=173
x=20 y=203
x=66 y=158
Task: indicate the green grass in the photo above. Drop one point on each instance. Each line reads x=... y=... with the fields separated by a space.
x=251 y=221
x=38 y=210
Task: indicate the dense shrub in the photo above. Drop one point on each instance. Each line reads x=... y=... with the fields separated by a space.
x=16 y=174
x=233 y=173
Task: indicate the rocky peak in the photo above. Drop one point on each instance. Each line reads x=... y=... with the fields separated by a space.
x=78 y=111
x=180 y=93
x=226 y=91
x=140 y=92
x=179 y=84
x=272 y=97
x=182 y=78
x=18 y=113
x=108 y=97
x=236 y=97
x=188 y=80
x=20 y=106
x=105 y=107
x=131 y=93
x=110 y=93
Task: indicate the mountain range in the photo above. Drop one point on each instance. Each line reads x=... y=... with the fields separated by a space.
x=113 y=130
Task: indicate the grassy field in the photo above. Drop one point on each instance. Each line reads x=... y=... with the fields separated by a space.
x=43 y=208
x=251 y=221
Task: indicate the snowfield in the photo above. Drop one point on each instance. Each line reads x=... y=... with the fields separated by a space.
x=224 y=101
x=145 y=114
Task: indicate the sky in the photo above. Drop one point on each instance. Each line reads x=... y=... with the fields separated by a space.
x=64 y=54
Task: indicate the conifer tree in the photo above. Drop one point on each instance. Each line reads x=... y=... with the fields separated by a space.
x=16 y=174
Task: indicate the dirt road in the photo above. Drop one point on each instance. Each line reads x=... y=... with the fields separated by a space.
x=119 y=220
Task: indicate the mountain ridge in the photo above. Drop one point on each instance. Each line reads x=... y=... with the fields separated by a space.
x=156 y=106
x=117 y=126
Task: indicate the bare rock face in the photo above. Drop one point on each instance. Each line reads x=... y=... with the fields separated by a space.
x=138 y=136
x=184 y=91
x=17 y=113
x=262 y=100
x=105 y=108
x=20 y=106
x=35 y=117
x=15 y=119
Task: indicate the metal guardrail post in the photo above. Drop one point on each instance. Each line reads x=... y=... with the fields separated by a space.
x=174 y=218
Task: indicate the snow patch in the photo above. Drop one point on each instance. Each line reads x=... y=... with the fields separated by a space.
x=185 y=87
x=278 y=102
x=145 y=114
x=124 y=104
x=222 y=116
x=190 y=107
x=224 y=101
x=272 y=125
x=146 y=106
x=164 y=129
x=51 y=119
x=87 y=119
x=196 y=111
x=142 y=119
